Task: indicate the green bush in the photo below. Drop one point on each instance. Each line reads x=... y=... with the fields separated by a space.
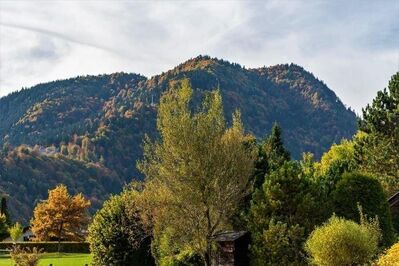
x=167 y=253
x=343 y=242
x=354 y=189
x=116 y=234
x=49 y=247
x=16 y=231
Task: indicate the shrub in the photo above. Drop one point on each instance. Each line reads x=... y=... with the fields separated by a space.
x=25 y=257
x=15 y=231
x=390 y=257
x=354 y=189
x=116 y=234
x=280 y=244
x=343 y=242
x=168 y=254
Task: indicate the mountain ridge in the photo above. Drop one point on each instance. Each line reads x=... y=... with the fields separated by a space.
x=101 y=120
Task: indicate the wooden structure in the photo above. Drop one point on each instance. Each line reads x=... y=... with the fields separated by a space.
x=394 y=203
x=232 y=248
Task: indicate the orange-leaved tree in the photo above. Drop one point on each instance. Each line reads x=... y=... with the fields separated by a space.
x=61 y=216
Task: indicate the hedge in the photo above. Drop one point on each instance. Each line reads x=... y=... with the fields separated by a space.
x=66 y=247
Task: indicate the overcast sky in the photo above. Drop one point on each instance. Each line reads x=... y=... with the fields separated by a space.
x=351 y=45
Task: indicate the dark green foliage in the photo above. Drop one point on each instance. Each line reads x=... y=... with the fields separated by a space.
x=280 y=244
x=51 y=247
x=382 y=116
x=357 y=189
x=332 y=176
x=4 y=210
x=283 y=212
x=272 y=155
x=274 y=149
x=3 y=227
x=116 y=234
x=378 y=152
x=5 y=220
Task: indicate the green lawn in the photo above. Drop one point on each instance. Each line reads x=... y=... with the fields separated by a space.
x=62 y=259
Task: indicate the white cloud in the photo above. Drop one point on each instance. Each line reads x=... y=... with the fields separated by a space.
x=352 y=46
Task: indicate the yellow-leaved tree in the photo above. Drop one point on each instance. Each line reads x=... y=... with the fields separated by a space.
x=61 y=216
x=197 y=173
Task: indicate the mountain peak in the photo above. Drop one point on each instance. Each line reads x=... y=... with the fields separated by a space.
x=101 y=120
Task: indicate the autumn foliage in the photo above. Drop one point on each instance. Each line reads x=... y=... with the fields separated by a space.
x=61 y=216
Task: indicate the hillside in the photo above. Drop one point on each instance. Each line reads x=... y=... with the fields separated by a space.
x=100 y=121
x=26 y=174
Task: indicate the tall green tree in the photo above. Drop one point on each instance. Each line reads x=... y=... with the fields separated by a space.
x=274 y=148
x=271 y=155
x=282 y=214
x=378 y=151
x=198 y=171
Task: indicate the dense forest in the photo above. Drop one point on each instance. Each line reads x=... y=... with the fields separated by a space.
x=86 y=132
x=215 y=195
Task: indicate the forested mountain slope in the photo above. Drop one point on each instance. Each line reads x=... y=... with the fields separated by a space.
x=98 y=122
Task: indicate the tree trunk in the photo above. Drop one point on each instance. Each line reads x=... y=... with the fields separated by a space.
x=59 y=237
x=208 y=254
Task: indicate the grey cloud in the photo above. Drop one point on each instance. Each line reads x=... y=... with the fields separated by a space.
x=44 y=50
x=329 y=38
x=67 y=38
x=53 y=34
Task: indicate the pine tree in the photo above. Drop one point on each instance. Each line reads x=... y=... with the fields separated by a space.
x=382 y=116
x=378 y=151
x=271 y=156
x=274 y=149
x=282 y=214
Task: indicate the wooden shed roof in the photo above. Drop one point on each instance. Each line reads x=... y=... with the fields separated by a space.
x=394 y=200
x=229 y=236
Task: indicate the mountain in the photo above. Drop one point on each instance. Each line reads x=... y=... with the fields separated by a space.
x=90 y=127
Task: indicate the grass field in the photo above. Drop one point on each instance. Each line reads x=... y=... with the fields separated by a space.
x=56 y=259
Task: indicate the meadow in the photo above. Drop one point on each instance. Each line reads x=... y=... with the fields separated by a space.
x=56 y=259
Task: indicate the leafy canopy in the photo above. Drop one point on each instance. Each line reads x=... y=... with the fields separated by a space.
x=61 y=216
x=198 y=171
x=116 y=235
